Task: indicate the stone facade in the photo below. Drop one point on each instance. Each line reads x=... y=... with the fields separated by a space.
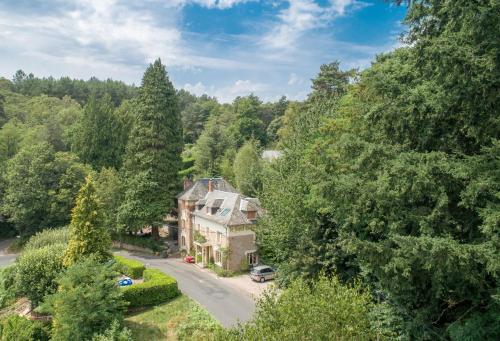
x=185 y=235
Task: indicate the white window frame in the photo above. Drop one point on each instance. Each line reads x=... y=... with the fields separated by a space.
x=218 y=257
x=252 y=255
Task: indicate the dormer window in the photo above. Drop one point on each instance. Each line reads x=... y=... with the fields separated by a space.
x=251 y=215
x=200 y=204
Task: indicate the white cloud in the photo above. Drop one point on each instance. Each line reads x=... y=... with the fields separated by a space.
x=220 y=4
x=294 y=79
x=198 y=89
x=226 y=94
x=302 y=16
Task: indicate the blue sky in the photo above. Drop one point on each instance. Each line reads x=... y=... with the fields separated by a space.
x=225 y=48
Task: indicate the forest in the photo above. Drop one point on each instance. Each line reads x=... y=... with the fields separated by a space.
x=388 y=186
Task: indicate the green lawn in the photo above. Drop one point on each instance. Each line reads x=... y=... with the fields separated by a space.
x=179 y=319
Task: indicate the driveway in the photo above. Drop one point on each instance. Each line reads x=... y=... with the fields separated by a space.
x=5 y=258
x=228 y=304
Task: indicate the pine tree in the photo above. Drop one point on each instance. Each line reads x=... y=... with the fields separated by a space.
x=88 y=236
x=153 y=156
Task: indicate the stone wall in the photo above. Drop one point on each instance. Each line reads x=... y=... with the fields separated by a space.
x=239 y=244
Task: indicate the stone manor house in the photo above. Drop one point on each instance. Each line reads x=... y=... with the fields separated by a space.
x=216 y=223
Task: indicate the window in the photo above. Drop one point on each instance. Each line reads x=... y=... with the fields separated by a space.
x=219 y=237
x=218 y=257
x=252 y=258
x=251 y=215
x=183 y=241
x=207 y=231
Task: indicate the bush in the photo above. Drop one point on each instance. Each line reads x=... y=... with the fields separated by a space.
x=198 y=325
x=221 y=272
x=157 y=288
x=244 y=266
x=322 y=309
x=17 y=328
x=36 y=272
x=7 y=282
x=48 y=237
x=87 y=301
x=146 y=242
x=114 y=333
x=130 y=267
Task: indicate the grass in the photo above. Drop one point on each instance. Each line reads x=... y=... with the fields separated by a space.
x=179 y=319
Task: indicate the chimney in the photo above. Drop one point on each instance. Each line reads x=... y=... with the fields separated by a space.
x=211 y=185
x=187 y=183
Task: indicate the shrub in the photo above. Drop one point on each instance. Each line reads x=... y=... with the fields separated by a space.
x=221 y=272
x=17 y=328
x=36 y=272
x=322 y=309
x=198 y=325
x=87 y=301
x=157 y=288
x=48 y=237
x=7 y=282
x=244 y=266
x=130 y=267
x=114 y=333
x=142 y=241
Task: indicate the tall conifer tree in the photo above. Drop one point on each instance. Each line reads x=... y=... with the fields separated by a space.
x=88 y=236
x=152 y=159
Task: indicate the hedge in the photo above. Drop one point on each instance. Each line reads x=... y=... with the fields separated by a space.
x=156 y=288
x=48 y=237
x=130 y=267
x=16 y=327
x=145 y=241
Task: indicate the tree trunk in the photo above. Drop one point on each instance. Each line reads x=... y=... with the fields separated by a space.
x=155 y=232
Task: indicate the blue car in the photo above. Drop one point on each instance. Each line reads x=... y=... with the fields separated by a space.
x=125 y=282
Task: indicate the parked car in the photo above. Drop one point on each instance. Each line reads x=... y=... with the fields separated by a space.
x=262 y=273
x=125 y=282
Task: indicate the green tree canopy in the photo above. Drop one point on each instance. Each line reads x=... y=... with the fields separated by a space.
x=36 y=271
x=41 y=187
x=110 y=192
x=195 y=114
x=320 y=310
x=248 y=169
x=87 y=301
x=213 y=144
x=97 y=136
x=395 y=178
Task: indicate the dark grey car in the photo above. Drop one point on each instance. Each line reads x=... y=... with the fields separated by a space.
x=262 y=273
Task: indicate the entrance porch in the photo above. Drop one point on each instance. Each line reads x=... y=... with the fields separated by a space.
x=203 y=254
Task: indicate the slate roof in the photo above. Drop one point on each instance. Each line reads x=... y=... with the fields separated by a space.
x=232 y=209
x=200 y=188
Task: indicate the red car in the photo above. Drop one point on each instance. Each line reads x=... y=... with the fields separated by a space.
x=189 y=259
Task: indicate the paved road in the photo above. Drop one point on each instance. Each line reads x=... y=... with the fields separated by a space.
x=5 y=259
x=227 y=304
